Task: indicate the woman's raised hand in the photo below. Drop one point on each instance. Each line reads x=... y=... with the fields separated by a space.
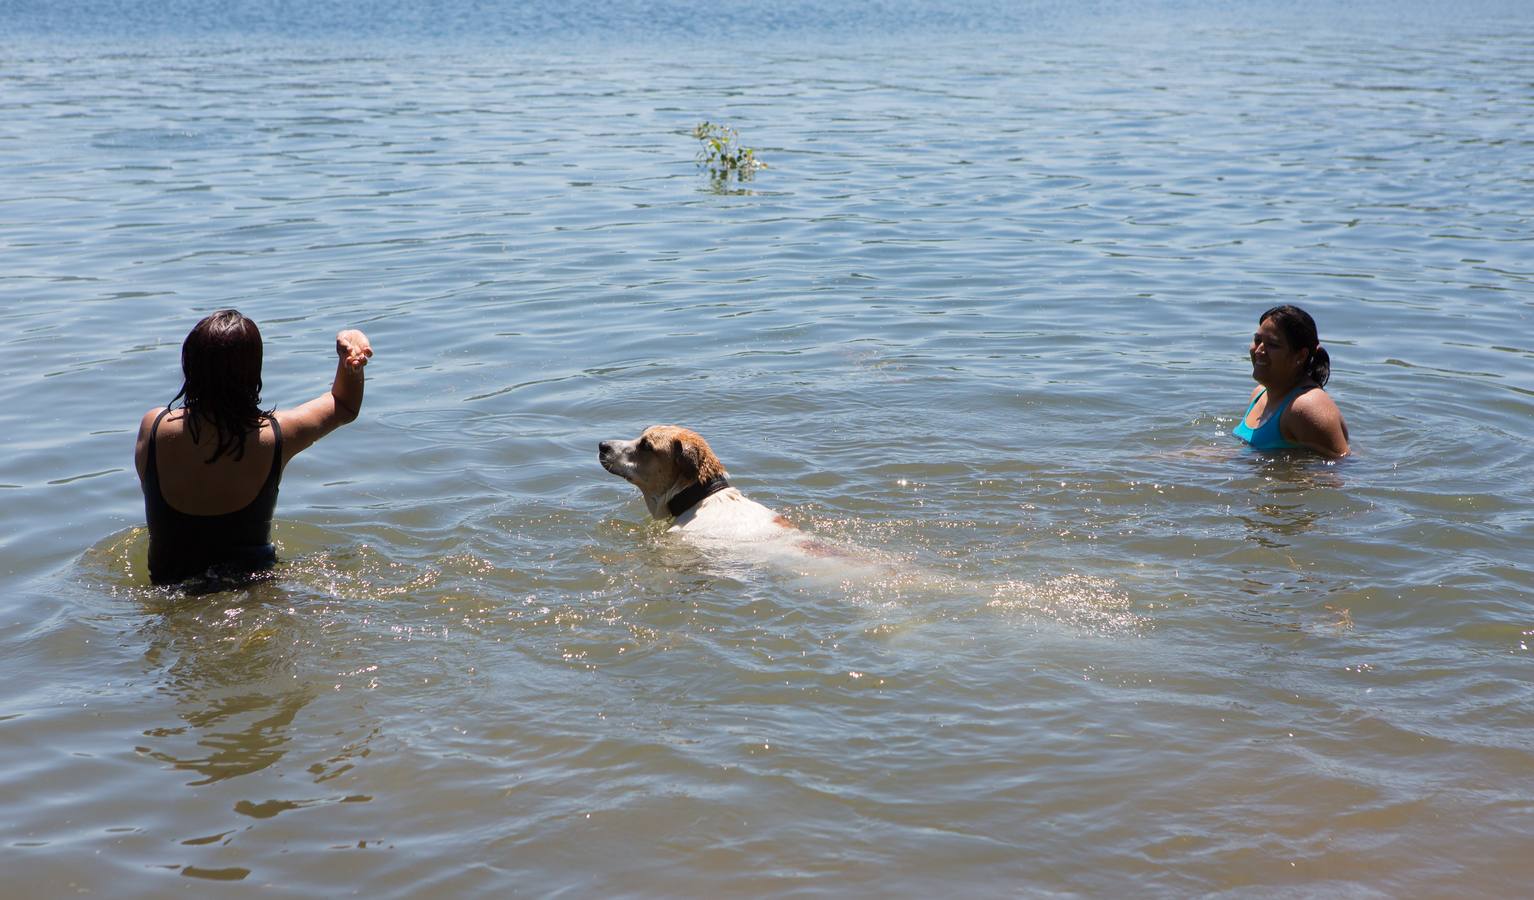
x=353 y=348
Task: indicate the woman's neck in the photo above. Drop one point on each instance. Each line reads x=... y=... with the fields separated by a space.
x=1282 y=387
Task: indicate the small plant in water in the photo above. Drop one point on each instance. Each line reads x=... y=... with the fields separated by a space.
x=722 y=153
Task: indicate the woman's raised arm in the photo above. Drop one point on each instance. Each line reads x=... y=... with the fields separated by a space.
x=303 y=425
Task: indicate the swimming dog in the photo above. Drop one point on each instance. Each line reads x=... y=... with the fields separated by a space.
x=681 y=478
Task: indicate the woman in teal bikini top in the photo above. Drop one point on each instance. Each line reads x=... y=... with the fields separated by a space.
x=1267 y=435
x=1290 y=366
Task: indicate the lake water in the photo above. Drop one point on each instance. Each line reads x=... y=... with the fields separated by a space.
x=983 y=320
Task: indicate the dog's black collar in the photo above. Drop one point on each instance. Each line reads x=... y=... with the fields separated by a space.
x=694 y=495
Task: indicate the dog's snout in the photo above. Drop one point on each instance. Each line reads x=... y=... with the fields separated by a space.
x=610 y=455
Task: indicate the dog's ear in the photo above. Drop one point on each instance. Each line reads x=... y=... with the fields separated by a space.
x=695 y=460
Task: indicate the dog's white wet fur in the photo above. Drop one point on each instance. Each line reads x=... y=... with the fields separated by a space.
x=729 y=527
x=666 y=460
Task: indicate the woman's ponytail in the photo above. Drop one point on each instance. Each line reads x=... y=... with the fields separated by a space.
x=1320 y=366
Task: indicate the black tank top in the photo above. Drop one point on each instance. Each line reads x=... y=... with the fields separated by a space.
x=182 y=545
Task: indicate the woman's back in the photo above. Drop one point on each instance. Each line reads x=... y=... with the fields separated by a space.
x=190 y=484
x=204 y=515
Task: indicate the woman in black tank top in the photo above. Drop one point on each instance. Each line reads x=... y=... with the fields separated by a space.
x=210 y=468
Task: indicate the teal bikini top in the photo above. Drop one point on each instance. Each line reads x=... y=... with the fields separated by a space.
x=1267 y=435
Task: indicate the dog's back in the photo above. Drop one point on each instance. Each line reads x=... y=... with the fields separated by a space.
x=730 y=514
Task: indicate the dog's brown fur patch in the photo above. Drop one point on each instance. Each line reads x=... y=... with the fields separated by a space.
x=695 y=459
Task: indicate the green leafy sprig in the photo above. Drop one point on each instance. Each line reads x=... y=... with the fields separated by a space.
x=722 y=154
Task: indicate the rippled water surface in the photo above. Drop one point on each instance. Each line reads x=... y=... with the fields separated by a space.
x=981 y=323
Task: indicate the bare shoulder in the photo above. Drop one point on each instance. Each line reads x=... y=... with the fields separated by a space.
x=300 y=426
x=1314 y=420
x=1316 y=404
x=141 y=443
x=147 y=422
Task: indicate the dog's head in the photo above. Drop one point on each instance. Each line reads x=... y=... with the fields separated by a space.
x=662 y=462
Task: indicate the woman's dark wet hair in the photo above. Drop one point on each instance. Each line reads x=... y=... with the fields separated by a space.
x=221 y=362
x=1300 y=331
